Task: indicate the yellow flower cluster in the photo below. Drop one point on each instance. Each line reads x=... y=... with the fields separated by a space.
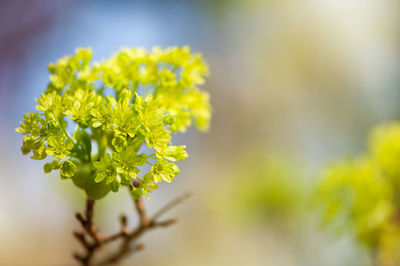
x=134 y=97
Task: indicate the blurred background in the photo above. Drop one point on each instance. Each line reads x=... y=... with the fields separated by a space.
x=293 y=85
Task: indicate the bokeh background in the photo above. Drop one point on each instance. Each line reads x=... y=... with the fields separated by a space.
x=293 y=85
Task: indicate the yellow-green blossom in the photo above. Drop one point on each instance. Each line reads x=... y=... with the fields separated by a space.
x=116 y=105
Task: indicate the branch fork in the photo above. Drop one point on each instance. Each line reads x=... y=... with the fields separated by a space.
x=93 y=240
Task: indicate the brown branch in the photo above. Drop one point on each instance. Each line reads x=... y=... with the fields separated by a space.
x=91 y=246
x=92 y=240
x=139 y=205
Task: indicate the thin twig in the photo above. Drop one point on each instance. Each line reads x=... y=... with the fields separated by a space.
x=171 y=205
x=127 y=246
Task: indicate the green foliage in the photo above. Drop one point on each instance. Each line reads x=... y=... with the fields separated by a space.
x=360 y=195
x=385 y=149
x=135 y=97
x=265 y=187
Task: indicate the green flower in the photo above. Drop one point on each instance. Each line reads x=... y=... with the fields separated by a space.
x=59 y=147
x=103 y=116
x=31 y=125
x=164 y=170
x=48 y=167
x=106 y=169
x=119 y=142
x=68 y=168
x=49 y=103
x=39 y=150
x=175 y=153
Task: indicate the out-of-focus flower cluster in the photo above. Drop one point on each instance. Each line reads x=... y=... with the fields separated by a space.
x=361 y=195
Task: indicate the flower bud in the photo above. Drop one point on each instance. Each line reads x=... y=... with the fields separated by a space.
x=135 y=182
